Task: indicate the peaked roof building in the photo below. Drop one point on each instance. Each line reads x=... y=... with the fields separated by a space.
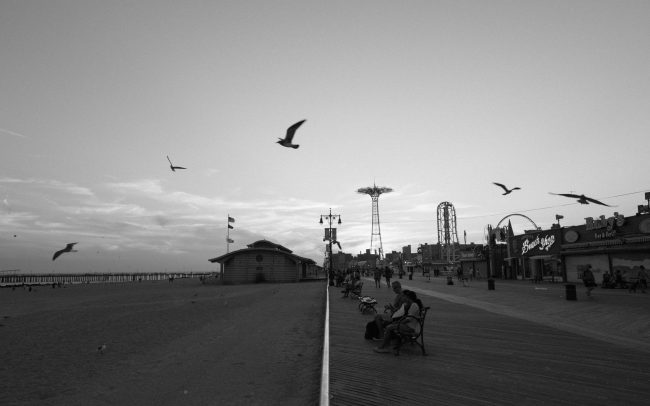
x=264 y=261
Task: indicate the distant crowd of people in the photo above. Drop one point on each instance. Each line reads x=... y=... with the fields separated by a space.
x=340 y=278
x=616 y=280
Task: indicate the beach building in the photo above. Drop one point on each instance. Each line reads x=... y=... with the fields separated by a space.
x=264 y=261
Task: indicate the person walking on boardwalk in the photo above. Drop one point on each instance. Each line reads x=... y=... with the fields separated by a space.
x=642 y=279
x=588 y=279
x=388 y=274
x=377 y=276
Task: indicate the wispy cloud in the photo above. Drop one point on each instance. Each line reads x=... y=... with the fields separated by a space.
x=49 y=183
x=15 y=134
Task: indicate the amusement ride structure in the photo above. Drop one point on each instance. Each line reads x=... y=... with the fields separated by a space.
x=374 y=192
x=501 y=230
x=447 y=233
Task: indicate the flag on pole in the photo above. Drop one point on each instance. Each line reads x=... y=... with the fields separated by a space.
x=230 y=227
x=230 y=240
x=231 y=220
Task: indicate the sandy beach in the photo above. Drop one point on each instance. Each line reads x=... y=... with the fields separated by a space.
x=166 y=344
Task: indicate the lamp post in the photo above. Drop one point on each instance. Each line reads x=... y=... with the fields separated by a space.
x=329 y=236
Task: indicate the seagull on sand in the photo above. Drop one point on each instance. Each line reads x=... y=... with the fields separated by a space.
x=505 y=189
x=291 y=131
x=68 y=248
x=582 y=199
x=171 y=165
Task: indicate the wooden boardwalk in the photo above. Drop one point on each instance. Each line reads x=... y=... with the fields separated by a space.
x=476 y=357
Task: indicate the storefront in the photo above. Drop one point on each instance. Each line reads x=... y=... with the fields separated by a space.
x=609 y=244
x=536 y=255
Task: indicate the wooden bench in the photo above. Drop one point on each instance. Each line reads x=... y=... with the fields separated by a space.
x=415 y=337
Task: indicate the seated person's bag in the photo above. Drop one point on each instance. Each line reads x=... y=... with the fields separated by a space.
x=371 y=331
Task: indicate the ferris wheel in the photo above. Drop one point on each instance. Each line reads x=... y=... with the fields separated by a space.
x=447 y=232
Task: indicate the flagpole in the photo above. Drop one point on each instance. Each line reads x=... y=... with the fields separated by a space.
x=228 y=240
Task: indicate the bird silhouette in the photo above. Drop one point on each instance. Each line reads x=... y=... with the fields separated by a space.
x=291 y=131
x=505 y=189
x=171 y=165
x=582 y=199
x=68 y=248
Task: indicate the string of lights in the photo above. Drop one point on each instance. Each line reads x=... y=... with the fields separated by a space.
x=478 y=216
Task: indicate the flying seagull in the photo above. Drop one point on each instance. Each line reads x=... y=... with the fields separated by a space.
x=291 y=131
x=582 y=199
x=171 y=165
x=68 y=248
x=505 y=189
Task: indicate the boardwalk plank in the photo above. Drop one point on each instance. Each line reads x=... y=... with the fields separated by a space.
x=479 y=358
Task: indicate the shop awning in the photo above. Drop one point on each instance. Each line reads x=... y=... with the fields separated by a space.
x=542 y=257
x=632 y=240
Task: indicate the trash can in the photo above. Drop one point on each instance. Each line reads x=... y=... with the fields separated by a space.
x=450 y=281
x=570 y=291
x=490 y=284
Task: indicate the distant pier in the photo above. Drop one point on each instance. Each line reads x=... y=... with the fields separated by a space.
x=77 y=278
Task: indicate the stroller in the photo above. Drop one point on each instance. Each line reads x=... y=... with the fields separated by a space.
x=367 y=304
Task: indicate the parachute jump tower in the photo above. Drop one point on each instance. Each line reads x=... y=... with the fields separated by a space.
x=374 y=192
x=447 y=233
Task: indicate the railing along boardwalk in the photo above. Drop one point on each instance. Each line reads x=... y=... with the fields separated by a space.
x=476 y=357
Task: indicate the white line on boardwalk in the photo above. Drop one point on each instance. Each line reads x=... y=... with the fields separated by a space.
x=325 y=375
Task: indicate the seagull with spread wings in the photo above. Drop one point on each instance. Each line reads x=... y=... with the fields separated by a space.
x=287 y=141
x=68 y=248
x=505 y=189
x=171 y=165
x=582 y=199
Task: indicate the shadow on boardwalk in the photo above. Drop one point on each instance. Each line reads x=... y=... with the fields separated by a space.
x=479 y=357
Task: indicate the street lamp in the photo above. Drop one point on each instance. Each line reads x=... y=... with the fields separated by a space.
x=330 y=237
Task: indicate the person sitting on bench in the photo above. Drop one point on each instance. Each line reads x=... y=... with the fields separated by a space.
x=383 y=319
x=352 y=283
x=410 y=307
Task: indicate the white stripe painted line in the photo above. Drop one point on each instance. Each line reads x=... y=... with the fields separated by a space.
x=325 y=375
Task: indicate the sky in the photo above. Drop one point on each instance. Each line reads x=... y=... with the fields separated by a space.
x=434 y=99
